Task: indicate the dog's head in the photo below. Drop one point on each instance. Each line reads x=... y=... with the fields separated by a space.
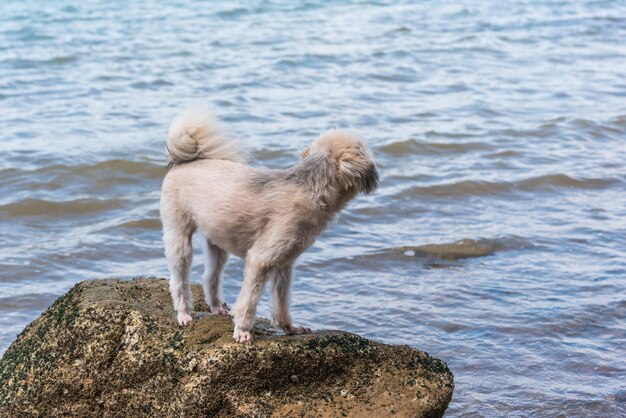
x=351 y=158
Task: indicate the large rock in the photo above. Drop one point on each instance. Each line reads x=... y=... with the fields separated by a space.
x=113 y=348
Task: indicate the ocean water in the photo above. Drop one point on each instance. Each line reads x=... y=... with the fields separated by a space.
x=497 y=239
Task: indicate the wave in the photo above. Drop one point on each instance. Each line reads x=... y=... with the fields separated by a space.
x=57 y=209
x=104 y=172
x=151 y=223
x=412 y=147
x=22 y=64
x=151 y=85
x=483 y=188
x=144 y=168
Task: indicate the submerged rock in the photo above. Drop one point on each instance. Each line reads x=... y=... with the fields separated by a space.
x=113 y=348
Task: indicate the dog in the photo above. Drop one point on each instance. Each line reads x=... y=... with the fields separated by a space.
x=266 y=217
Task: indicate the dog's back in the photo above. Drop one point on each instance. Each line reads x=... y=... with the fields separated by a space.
x=210 y=195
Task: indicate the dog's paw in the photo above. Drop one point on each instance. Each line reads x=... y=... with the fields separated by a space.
x=243 y=337
x=297 y=330
x=184 y=318
x=219 y=310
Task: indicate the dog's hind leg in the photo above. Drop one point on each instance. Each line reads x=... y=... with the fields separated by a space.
x=214 y=262
x=244 y=310
x=281 y=289
x=179 y=253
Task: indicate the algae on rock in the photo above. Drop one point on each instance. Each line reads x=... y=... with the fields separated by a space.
x=113 y=348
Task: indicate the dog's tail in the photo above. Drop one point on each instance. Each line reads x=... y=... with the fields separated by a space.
x=195 y=135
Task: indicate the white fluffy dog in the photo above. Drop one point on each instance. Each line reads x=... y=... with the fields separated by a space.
x=266 y=217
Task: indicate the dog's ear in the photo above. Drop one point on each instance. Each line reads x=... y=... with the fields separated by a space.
x=357 y=169
x=305 y=153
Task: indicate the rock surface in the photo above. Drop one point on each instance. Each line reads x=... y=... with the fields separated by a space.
x=113 y=348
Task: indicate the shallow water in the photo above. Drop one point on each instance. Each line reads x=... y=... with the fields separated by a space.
x=496 y=241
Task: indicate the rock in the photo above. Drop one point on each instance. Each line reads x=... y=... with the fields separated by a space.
x=113 y=348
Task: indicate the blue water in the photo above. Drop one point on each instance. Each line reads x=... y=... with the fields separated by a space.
x=497 y=240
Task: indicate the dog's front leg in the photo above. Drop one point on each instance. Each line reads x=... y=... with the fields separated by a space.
x=244 y=310
x=281 y=289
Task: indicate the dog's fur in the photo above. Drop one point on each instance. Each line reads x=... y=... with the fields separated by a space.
x=266 y=217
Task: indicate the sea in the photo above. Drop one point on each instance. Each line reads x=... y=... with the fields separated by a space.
x=497 y=238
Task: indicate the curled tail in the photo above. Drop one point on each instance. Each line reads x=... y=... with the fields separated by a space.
x=195 y=134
